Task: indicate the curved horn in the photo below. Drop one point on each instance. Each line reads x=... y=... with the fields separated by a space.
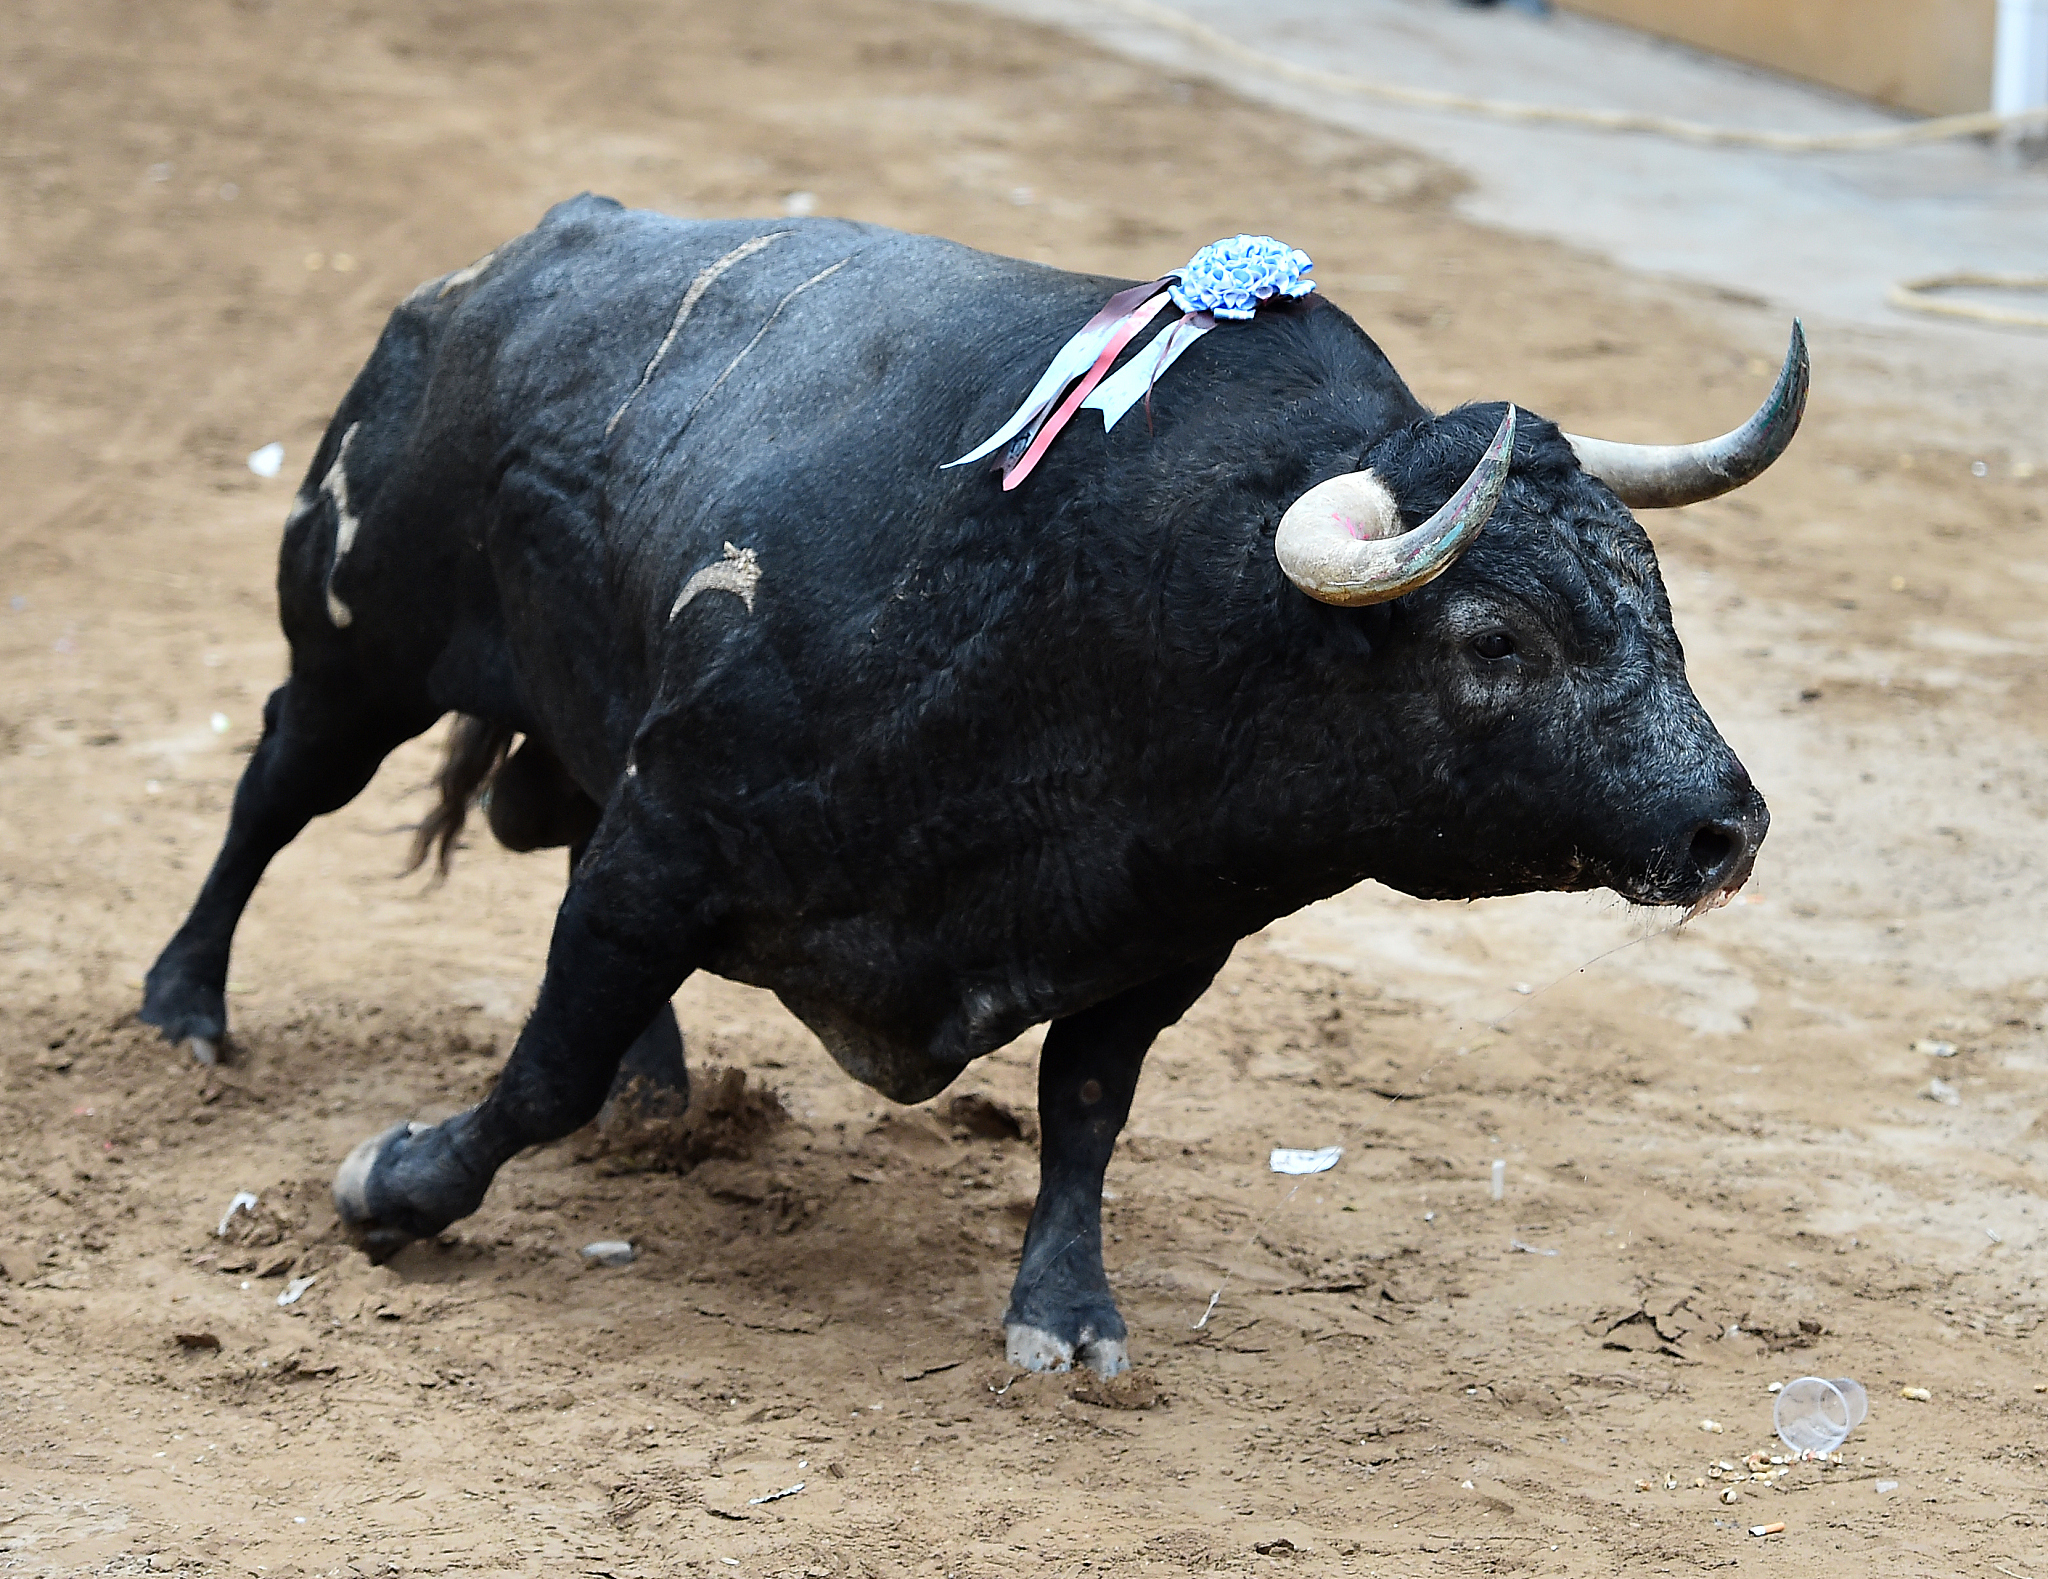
x=1659 y=476
x=1341 y=542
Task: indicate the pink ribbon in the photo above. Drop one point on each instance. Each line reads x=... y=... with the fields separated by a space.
x=1122 y=336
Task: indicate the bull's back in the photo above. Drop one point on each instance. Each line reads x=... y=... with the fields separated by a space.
x=556 y=440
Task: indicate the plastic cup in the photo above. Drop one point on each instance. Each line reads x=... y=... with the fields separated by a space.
x=1816 y=1416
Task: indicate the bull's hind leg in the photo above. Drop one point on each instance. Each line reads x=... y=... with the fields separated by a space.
x=628 y=932
x=1061 y=1310
x=653 y=1081
x=316 y=754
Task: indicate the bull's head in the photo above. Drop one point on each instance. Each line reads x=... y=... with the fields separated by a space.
x=1567 y=673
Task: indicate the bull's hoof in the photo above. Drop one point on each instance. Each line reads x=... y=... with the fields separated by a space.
x=405 y=1184
x=1035 y=1349
x=186 y=1011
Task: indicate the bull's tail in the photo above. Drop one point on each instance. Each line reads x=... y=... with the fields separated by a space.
x=476 y=749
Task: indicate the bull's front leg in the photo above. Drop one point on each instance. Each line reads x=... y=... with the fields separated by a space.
x=1061 y=1310
x=624 y=939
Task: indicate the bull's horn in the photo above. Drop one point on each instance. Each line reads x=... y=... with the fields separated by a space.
x=1658 y=476
x=1341 y=542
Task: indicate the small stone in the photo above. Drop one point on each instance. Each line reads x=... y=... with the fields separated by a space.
x=1711 y=1425
x=1886 y=1487
x=1919 y=1395
x=1935 y=1049
x=609 y=1252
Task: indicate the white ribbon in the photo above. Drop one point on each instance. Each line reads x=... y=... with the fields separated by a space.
x=1130 y=383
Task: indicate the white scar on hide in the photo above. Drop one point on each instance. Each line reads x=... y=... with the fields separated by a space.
x=706 y=278
x=347 y=524
x=719 y=382
x=449 y=282
x=738 y=573
x=462 y=277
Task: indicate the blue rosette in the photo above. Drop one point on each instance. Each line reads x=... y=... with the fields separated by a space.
x=1228 y=279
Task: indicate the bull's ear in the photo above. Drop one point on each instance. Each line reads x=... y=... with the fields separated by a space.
x=1341 y=542
x=1660 y=476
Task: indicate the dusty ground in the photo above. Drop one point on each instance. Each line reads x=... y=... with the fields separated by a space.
x=1717 y=1145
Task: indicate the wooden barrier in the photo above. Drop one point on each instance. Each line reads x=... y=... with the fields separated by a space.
x=1933 y=56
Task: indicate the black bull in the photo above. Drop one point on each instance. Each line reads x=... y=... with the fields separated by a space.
x=934 y=762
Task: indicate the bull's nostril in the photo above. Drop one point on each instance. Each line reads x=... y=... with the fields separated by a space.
x=1713 y=849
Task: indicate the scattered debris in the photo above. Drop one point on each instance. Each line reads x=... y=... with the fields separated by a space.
x=1498 y=1187
x=1730 y=1495
x=1885 y=1487
x=609 y=1252
x=244 y=1201
x=1274 y=1548
x=800 y=205
x=268 y=461
x=1321 y=1160
x=1939 y=1090
x=791 y=1491
x=1934 y=1049
x=932 y=1370
x=218 y=723
x=197 y=1340
x=1919 y=1395
x=1711 y=1425
x=293 y=1290
x=1768 y=1529
x=1528 y=1250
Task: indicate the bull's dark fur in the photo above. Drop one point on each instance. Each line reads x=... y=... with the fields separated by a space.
x=972 y=760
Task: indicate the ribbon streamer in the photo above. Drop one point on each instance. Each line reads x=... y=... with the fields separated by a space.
x=1121 y=335
x=1226 y=279
x=1076 y=357
x=1133 y=381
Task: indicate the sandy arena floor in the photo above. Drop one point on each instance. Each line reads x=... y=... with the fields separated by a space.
x=1723 y=1169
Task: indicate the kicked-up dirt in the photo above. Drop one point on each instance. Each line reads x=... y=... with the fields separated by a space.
x=1726 y=1159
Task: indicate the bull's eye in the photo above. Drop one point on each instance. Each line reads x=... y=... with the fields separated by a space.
x=1494 y=645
